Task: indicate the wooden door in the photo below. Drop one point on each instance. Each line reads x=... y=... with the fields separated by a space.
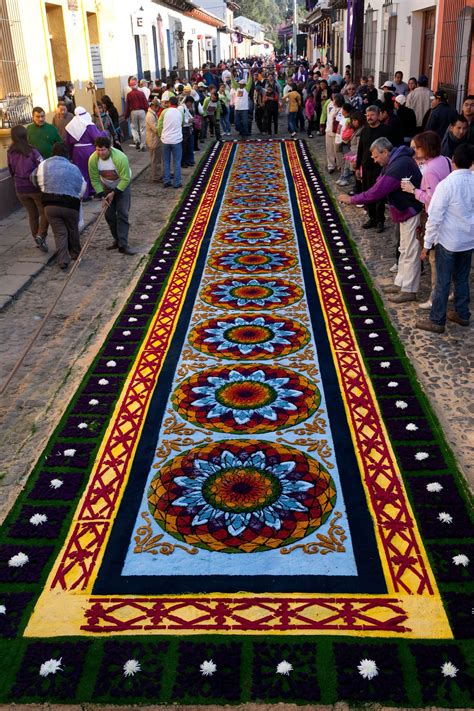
x=427 y=43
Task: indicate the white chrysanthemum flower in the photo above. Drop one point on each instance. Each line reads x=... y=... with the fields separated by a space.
x=367 y=668
x=51 y=667
x=392 y=384
x=448 y=669
x=385 y=364
x=3 y=610
x=434 y=486
x=138 y=307
x=144 y=297
x=420 y=456
x=56 y=483
x=378 y=349
x=69 y=452
x=411 y=427
x=363 y=308
x=149 y=286
x=461 y=559
x=131 y=667
x=369 y=321
x=111 y=364
x=356 y=287
x=18 y=560
x=103 y=381
x=284 y=668
x=119 y=348
x=82 y=426
x=445 y=517
x=38 y=518
x=373 y=335
x=93 y=402
x=208 y=668
x=359 y=297
x=401 y=404
x=132 y=319
x=126 y=333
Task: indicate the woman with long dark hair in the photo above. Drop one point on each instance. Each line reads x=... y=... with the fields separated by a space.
x=23 y=159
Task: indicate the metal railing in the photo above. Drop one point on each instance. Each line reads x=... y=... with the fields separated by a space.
x=15 y=109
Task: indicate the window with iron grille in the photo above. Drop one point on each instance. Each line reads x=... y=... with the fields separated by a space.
x=455 y=50
x=389 y=39
x=370 y=40
x=15 y=92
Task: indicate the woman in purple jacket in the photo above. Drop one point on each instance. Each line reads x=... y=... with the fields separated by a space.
x=23 y=159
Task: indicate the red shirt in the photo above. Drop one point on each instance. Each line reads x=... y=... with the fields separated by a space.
x=135 y=100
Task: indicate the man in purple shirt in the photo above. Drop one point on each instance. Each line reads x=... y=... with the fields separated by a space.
x=397 y=165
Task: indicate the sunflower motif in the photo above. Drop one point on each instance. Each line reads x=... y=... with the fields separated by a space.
x=261 y=337
x=256 y=216
x=252 y=294
x=252 y=260
x=228 y=399
x=241 y=496
x=257 y=236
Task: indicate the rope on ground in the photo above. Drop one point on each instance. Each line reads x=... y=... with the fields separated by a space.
x=53 y=305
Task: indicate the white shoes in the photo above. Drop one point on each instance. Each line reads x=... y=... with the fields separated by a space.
x=425 y=305
x=394 y=269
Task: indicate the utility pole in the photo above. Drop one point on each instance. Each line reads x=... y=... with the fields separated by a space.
x=295 y=31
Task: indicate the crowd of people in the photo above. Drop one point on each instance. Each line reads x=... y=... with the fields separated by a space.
x=391 y=144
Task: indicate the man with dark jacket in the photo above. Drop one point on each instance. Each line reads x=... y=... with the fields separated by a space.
x=454 y=136
x=441 y=114
x=367 y=170
x=406 y=117
x=397 y=164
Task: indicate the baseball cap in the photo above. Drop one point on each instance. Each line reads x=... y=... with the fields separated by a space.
x=400 y=99
x=388 y=85
x=242 y=81
x=440 y=94
x=202 y=84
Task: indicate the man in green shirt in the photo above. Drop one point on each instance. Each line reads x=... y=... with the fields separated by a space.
x=42 y=135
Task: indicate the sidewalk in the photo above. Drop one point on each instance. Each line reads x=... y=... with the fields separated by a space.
x=20 y=260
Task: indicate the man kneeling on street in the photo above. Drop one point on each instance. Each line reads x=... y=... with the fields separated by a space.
x=110 y=175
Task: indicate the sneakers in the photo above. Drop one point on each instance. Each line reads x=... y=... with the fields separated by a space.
x=455 y=318
x=403 y=297
x=425 y=305
x=137 y=145
x=427 y=325
x=310 y=135
x=343 y=182
x=126 y=250
x=394 y=269
x=41 y=243
x=293 y=134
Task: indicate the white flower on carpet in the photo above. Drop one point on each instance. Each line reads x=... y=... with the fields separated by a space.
x=119 y=348
x=149 y=286
x=434 y=486
x=373 y=335
x=392 y=384
x=420 y=456
x=18 y=560
x=51 y=667
x=208 y=668
x=38 y=518
x=132 y=319
x=411 y=427
x=367 y=668
x=103 y=381
x=357 y=287
x=448 y=669
x=82 y=426
x=385 y=364
x=401 y=404
x=342 y=251
x=369 y=321
x=126 y=333
x=359 y=297
x=3 y=610
x=144 y=297
x=69 y=452
x=378 y=348
x=111 y=364
x=138 y=307
x=445 y=517
x=461 y=559
x=284 y=668
x=363 y=308
x=56 y=483
x=93 y=402
x=131 y=667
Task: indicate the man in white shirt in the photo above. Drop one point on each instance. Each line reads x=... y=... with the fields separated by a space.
x=170 y=132
x=143 y=86
x=450 y=227
x=241 y=105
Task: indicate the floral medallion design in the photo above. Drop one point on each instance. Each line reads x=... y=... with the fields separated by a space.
x=241 y=496
x=255 y=294
x=243 y=399
x=257 y=337
x=257 y=201
x=248 y=187
x=257 y=236
x=252 y=261
x=255 y=216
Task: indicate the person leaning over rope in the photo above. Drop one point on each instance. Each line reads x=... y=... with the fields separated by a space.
x=110 y=175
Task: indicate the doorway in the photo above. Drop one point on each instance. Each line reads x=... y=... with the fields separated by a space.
x=57 y=38
x=427 y=43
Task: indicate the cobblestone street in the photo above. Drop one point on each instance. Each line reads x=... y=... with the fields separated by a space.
x=37 y=397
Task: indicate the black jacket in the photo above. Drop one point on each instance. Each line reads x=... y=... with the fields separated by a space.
x=407 y=118
x=367 y=137
x=440 y=118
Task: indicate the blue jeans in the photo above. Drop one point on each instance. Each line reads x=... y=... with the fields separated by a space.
x=455 y=266
x=175 y=150
x=292 y=120
x=242 y=122
x=225 y=122
x=117 y=217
